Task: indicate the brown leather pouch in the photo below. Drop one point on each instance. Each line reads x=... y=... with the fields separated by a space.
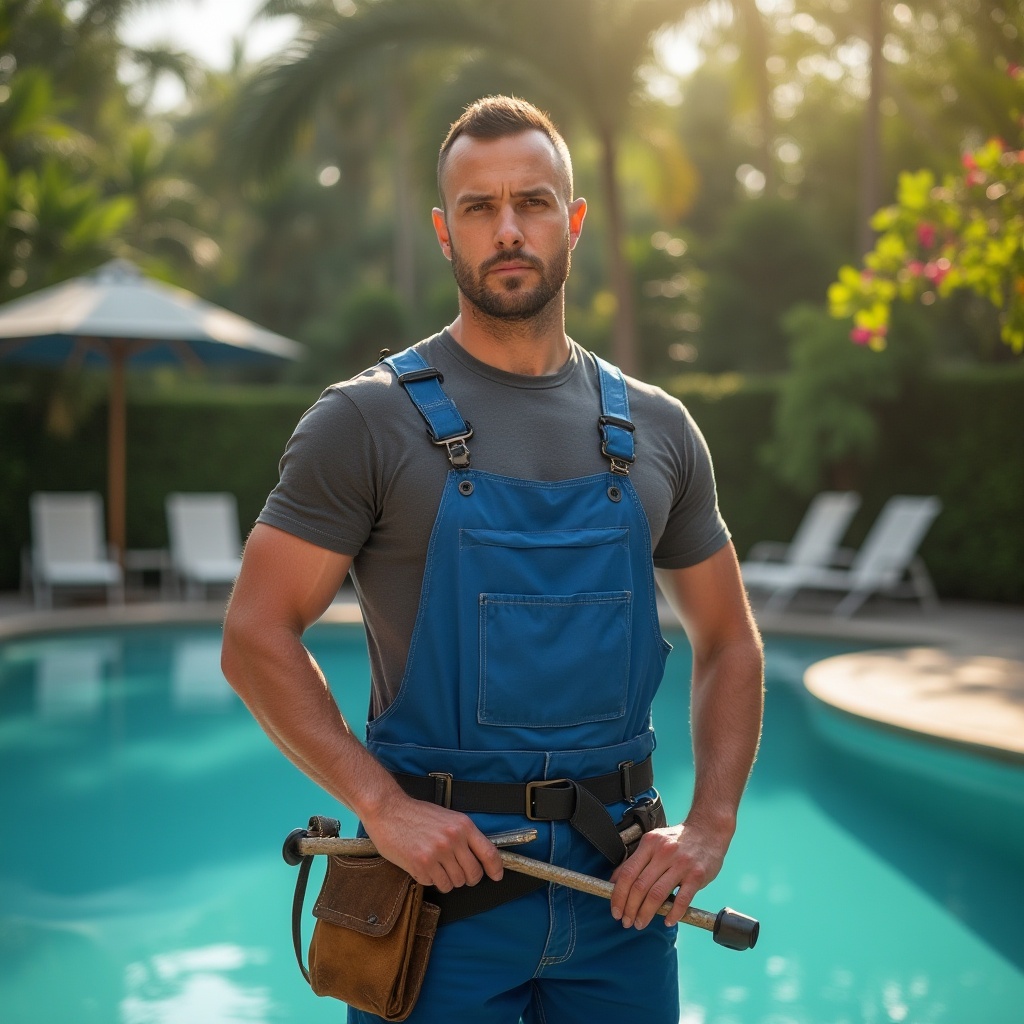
x=372 y=937
x=373 y=932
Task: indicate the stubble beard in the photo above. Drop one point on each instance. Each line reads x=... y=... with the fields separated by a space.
x=513 y=302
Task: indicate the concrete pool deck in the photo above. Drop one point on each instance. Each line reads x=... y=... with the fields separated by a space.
x=955 y=673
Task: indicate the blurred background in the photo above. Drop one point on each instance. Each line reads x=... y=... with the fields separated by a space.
x=278 y=158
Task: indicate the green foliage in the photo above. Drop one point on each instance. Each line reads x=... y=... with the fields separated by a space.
x=825 y=428
x=368 y=319
x=768 y=257
x=965 y=234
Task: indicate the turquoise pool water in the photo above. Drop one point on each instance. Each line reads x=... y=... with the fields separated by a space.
x=142 y=814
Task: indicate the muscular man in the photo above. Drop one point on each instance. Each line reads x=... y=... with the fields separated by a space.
x=502 y=498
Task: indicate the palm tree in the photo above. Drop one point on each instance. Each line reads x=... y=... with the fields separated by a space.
x=588 y=51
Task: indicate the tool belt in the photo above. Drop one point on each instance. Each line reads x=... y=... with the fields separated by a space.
x=373 y=933
x=580 y=802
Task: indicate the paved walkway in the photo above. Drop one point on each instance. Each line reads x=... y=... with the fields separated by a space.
x=956 y=673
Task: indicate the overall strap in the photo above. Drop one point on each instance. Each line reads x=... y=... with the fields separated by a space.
x=444 y=423
x=614 y=424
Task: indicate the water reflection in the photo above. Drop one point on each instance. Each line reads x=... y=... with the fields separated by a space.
x=70 y=676
x=192 y=985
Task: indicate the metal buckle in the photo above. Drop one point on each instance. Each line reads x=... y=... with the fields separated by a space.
x=619 y=466
x=531 y=787
x=458 y=451
x=445 y=791
x=627 y=781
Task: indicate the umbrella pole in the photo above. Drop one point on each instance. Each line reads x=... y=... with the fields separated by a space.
x=116 y=434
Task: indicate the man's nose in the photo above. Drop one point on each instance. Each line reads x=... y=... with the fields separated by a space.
x=508 y=232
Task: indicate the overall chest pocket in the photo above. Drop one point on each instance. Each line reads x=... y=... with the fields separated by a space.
x=554 y=623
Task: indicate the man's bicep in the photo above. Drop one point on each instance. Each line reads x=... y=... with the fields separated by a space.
x=709 y=598
x=286 y=580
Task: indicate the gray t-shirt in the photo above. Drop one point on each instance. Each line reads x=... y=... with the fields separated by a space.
x=360 y=476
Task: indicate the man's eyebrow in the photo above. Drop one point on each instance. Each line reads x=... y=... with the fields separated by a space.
x=468 y=198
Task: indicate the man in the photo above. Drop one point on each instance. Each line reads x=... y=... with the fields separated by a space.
x=501 y=498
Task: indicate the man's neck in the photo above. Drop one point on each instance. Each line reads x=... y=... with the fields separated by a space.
x=533 y=347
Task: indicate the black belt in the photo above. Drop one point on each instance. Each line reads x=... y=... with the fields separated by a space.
x=545 y=800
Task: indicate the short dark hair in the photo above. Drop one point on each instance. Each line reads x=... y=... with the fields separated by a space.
x=498 y=117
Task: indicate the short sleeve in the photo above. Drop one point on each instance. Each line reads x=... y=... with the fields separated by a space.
x=695 y=529
x=328 y=478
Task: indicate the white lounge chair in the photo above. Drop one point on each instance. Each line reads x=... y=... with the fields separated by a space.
x=773 y=566
x=205 y=543
x=887 y=561
x=68 y=549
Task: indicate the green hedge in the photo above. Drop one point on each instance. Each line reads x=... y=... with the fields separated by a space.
x=955 y=435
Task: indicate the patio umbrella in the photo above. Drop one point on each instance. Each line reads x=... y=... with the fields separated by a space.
x=117 y=316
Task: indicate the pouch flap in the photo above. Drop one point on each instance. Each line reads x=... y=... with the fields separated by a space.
x=365 y=894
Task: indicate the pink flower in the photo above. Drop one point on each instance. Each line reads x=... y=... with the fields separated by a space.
x=860 y=336
x=936 y=271
x=974 y=178
x=916 y=268
x=926 y=234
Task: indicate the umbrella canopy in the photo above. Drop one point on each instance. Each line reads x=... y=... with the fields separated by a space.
x=117 y=316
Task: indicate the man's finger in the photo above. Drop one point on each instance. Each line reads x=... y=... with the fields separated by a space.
x=487 y=855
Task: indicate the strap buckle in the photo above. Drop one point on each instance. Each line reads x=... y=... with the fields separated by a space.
x=619 y=463
x=532 y=787
x=625 y=774
x=442 y=788
x=458 y=450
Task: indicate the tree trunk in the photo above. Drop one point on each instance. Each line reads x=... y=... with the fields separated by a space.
x=757 y=56
x=624 y=345
x=871 y=151
x=406 y=208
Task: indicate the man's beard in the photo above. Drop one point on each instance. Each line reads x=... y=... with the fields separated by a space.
x=512 y=300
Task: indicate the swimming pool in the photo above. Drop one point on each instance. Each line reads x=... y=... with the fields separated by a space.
x=142 y=813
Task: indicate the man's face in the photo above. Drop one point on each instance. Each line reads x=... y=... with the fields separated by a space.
x=509 y=227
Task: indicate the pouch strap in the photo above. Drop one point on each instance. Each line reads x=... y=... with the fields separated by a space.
x=320 y=827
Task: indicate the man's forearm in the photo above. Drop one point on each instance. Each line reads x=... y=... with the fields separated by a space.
x=286 y=692
x=726 y=712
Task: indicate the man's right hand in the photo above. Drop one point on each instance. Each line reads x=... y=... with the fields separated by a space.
x=436 y=846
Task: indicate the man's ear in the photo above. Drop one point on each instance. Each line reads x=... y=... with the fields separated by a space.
x=577 y=211
x=441 y=230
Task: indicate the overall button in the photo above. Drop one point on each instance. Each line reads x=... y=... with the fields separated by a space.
x=615 y=493
x=466 y=488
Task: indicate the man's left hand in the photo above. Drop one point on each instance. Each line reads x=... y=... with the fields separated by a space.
x=666 y=857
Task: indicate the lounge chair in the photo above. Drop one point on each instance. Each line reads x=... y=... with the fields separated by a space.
x=773 y=566
x=886 y=563
x=205 y=543
x=68 y=549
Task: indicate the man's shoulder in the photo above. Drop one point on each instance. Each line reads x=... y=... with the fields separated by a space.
x=377 y=386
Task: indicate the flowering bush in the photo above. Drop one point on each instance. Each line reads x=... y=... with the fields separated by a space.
x=965 y=233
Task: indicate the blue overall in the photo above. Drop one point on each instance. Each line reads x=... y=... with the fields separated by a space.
x=536 y=654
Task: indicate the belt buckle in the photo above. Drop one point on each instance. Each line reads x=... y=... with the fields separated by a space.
x=542 y=784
